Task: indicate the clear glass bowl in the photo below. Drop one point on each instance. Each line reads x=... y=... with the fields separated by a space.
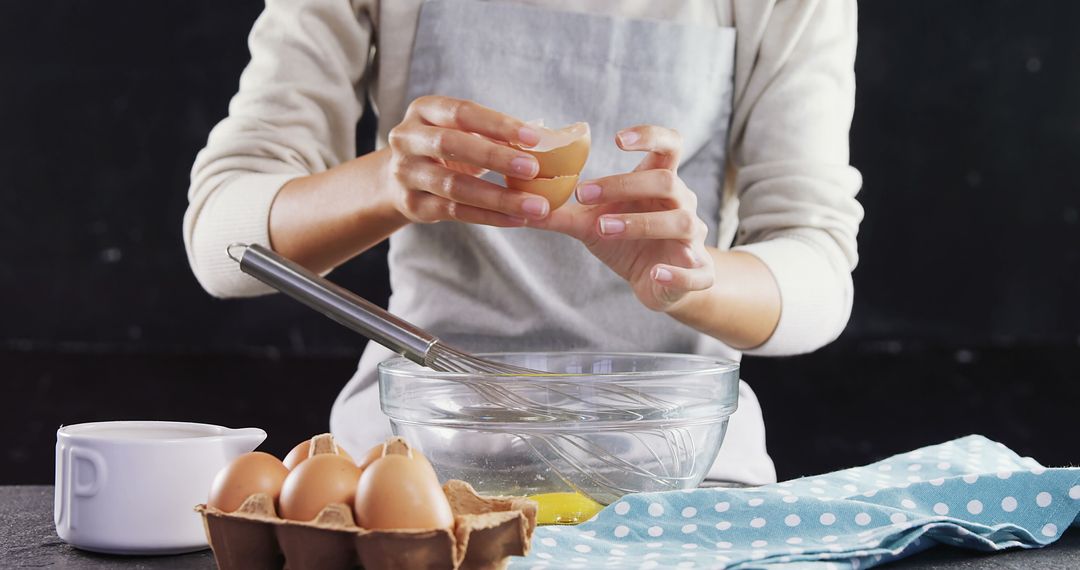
x=602 y=424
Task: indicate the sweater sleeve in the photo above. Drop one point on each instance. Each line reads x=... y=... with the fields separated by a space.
x=296 y=111
x=795 y=189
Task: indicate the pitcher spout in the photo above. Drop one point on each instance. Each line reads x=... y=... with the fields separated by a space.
x=242 y=440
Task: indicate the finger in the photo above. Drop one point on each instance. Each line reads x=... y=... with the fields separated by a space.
x=428 y=208
x=643 y=185
x=469 y=168
x=458 y=146
x=677 y=279
x=664 y=145
x=571 y=219
x=424 y=207
x=473 y=215
x=668 y=224
x=466 y=168
x=466 y=115
x=426 y=175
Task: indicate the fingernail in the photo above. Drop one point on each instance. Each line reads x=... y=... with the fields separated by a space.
x=528 y=136
x=587 y=193
x=525 y=166
x=535 y=207
x=609 y=226
x=627 y=138
x=662 y=275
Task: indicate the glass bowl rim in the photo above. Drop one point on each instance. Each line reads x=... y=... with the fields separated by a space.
x=394 y=367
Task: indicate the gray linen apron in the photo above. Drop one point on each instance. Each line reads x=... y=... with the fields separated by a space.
x=495 y=289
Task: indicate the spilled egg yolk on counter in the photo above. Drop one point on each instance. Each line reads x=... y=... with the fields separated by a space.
x=564 y=508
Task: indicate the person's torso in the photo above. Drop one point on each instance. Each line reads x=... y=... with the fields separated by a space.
x=523 y=289
x=492 y=289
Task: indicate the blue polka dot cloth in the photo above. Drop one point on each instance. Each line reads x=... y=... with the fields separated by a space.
x=970 y=492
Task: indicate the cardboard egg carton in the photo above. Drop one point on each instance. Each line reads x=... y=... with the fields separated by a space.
x=486 y=532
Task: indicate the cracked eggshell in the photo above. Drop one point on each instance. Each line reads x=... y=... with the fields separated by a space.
x=557 y=190
x=561 y=152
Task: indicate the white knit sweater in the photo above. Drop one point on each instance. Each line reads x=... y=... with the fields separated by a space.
x=789 y=199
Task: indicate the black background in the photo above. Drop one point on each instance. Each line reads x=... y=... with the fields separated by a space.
x=967 y=131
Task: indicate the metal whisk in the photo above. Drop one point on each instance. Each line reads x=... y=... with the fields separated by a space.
x=357 y=313
x=410 y=341
x=549 y=399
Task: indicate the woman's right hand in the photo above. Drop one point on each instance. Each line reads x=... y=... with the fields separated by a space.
x=440 y=150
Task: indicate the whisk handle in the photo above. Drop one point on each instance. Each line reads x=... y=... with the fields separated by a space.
x=334 y=301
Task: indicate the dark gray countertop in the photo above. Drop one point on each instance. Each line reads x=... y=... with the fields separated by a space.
x=28 y=540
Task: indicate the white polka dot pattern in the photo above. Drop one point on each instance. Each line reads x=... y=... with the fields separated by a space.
x=961 y=493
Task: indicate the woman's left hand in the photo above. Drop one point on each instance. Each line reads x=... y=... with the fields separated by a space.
x=643 y=224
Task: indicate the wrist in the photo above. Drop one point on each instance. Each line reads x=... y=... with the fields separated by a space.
x=386 y=205
x=741 y=308
x=324 y=219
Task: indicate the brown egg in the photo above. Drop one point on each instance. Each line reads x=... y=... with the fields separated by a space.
x=303 y=450
x=251 y=473
x=399 y=492
x=321 y=480
x=557 y=190
x=561 y=152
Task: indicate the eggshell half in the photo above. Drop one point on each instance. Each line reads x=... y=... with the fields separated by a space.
x=561 y=152
x=251 y=473
x=397 y=492
x=556 y=190
x=321 y=480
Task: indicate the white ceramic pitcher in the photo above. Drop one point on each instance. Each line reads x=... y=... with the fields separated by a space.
x=130 y=487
